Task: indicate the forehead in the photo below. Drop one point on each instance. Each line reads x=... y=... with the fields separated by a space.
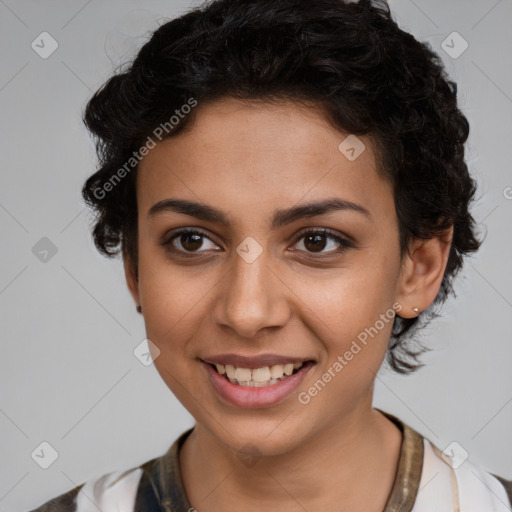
x=253 y=155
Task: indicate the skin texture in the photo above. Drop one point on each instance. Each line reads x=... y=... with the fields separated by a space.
x=249 y=159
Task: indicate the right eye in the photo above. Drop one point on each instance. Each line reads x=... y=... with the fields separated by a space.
x=190 y=240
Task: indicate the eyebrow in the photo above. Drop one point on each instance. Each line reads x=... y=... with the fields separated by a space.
x=280 y=218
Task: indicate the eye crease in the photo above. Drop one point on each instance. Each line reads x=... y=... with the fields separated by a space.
x=314 y=241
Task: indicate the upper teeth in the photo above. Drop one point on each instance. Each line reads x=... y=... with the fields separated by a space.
x=257 y=377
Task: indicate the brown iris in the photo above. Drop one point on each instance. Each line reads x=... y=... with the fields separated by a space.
x=191 y=241
x=317 y=242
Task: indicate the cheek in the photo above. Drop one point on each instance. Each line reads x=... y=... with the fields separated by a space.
x=351 y=315
x=174 y=305
x=172 y=295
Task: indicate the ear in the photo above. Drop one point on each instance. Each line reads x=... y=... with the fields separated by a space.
x=422 y=272
x=131 y=278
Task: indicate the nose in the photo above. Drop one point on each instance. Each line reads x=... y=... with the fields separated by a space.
x=251 y=298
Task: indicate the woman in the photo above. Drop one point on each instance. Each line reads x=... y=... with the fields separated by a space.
x=287 y=186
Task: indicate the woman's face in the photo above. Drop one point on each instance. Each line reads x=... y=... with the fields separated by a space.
x=258 y=279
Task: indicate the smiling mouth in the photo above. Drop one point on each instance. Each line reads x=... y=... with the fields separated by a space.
x=257 y=377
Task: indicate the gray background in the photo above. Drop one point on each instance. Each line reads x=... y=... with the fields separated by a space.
x=68 y=325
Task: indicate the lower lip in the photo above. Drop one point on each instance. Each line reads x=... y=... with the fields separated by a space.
x=247 y=397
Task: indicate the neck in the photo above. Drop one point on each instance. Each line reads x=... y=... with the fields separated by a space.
x=350 y=464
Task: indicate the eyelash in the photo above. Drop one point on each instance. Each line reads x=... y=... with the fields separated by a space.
x=345 y=244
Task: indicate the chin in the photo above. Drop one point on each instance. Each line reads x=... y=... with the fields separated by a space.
x=255 y=436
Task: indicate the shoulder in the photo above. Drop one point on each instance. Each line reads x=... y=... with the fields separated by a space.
x=142 y=489
x=64 y=503
x=437 y=480
x=109 y=493
x=449 y=476
x=507 y=484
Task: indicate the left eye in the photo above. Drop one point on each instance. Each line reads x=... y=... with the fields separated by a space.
x=317 y=241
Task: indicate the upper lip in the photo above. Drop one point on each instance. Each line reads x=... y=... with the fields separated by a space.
x=253 y=361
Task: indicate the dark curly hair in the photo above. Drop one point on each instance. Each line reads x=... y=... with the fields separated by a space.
x=351 y=59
